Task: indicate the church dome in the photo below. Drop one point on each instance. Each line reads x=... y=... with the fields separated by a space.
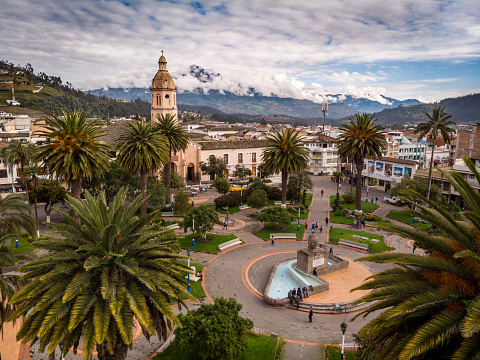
x=162 y=79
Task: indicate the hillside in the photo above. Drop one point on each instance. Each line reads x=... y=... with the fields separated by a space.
x=53 y=95
x=465 y=109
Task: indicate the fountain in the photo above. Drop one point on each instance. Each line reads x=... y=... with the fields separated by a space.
x=293 y=273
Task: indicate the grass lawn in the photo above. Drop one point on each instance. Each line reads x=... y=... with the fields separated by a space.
x=270 y=228
x=340 y=219
x=259 y=348
x=196 y=286
x=366 y=207
x=212 y=246
x=335 y=354
x=346 y=234
x=25 y=248
x=405 y=218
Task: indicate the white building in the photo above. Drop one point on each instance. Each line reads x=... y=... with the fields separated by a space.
x=323 y=155
x=386 y=171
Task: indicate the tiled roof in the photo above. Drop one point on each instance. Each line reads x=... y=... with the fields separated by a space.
x=399 y=161
x=236 y=144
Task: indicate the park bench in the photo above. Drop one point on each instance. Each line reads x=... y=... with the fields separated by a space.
x=361 y=237
x=284 y=236
x=167 y=214
x=172 y=227
x=244 y=207
x=374 y=240
x=353 y=244
x=229 y=243
x=193 y=277
x=278 y=203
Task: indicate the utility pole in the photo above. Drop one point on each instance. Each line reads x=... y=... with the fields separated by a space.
x=324 y=110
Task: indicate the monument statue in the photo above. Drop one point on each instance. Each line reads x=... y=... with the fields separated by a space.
x=312 y=242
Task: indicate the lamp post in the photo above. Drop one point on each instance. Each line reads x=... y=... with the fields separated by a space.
x=241 y=195
x=324 y=110
x=226 y=227
x=298 y=225
x=193 y=229
x=172 y=201
x=188 y=274
x=343 y=326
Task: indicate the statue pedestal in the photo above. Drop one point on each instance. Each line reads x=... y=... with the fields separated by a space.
x=309 y=259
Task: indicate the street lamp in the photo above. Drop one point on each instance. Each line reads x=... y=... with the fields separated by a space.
x=188 y=274
x=172 y=201
x=241 y=195
x=193 y=229
x=298 y=227
x=324 y=110
x=343 y=326
x=226 y=227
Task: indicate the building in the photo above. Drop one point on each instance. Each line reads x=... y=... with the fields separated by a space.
x=468 y=142
x=164 y=93
x=323 y=155
x=386 y=171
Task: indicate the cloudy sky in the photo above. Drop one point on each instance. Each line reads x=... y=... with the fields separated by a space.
x=420 y=49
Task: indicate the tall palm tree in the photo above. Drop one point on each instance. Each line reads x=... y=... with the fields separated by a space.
x=431 y=303
x=73 y=149
x=109 y=267
x=285 y=153
x=437 y=122
x=142 y=149
x=360 y=138
x=177 y=137
x=18 y=153
x=299 y=182
x=14 y=217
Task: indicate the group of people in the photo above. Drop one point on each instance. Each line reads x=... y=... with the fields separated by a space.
x=315 y=225
x=297 y=295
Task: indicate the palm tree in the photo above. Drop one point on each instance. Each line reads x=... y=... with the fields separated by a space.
x=177 y=137
x=109 y=267
x=18 y=153
x=73 y=149
x=361 y=138
x=338 y=175
x=285 y=153
x=432 y=302
x=437 y=122
x=299 y=182
x=142 y=149
x=14 y=216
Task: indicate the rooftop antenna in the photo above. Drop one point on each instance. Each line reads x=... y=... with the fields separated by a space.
x=324 y=110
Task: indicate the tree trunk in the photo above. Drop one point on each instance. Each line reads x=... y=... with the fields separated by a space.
x=430 y=169
x=358 y=183
x=143 y=189
x=167 y=171
x=284 y=188
x=120 y=352
x=75 y=187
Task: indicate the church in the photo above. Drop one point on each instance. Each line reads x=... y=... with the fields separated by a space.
x=186 y=163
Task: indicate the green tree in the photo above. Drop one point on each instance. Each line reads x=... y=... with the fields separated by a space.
x=205 y=218
x=299 y=182
x=157 y=192
x=142 y=149
x=214 y=331
x=109 y=267
x=73 y=149
x=430 y=304
x=264 y=173
x=360 y=138
x=181 y=204
x=436 y=123
x=15 y=215
x=276 y=215
x=177 y=138
x=18 y=153
x=222 y=185
x=258 y=199
x=49 y=192
x=285 y=153
x=215 y=167
x=241 y=172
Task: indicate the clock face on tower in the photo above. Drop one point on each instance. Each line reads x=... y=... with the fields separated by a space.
x=167 y=96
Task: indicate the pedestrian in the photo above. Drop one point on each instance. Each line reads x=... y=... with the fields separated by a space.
x=310 y=314
x=321 y=229
x=331 y=250
x=313 y=225
x=326 y=221
x=306 y=225
x=305 y=292
x=372 y=199
x=273 y=241
x=224 y=224
x=376 y=200
x=299 y=293
x=313 y=230
x=298 y=303
x=185 y=229
x=290 y=296
x=294 y=292
x=321 y=192
x=315 y=272
x=340 y=186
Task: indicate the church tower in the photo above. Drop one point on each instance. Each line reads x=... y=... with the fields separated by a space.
x=164 y=93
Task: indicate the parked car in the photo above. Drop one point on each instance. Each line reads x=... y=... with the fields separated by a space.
x=192 y=193
x=235 y=188
x=393 y=200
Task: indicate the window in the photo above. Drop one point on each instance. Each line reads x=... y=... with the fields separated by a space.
x=159 y=101
x=225 y=158
x=240 y=158
x=167 y=96
x=3 y=173
x=254 y=157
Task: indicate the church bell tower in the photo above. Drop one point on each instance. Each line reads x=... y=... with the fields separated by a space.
x=164 y=93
